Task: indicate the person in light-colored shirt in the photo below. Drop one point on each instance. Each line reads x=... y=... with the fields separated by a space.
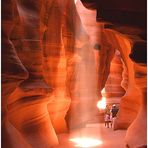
x=107 y=120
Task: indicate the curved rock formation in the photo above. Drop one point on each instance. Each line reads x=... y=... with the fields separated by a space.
x=125 y=26
x=113 y=89
x=40 y=58
x=27 y=104
x=49 y=73
x=140 y=123
x=129 y=97
x=55 y=65
x=13 y=73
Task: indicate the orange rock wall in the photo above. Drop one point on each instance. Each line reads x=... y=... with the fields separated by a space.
x=38 y=64
x=113 y=89
x=130 y=40
x=49 y=73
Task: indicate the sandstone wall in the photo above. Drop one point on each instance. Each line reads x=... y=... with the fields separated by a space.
x=37 y=69
x=48 y=72
x=113 y=89
x=125 y=26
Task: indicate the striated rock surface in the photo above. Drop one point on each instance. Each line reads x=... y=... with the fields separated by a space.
x=126 y=27
x=137 y=128
x=27 y=104
x=130 y=101
x=13 y=73
x=49 y=68
x=113 y=88
x=55 y=65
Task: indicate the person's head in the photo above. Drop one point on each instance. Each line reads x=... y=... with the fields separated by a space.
x=114 y=105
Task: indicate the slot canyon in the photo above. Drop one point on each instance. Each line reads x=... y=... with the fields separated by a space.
x=59 y=59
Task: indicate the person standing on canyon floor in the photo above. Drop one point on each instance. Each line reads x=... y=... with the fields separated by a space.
x=107 y=116
x=113 y=111
x=107 y=120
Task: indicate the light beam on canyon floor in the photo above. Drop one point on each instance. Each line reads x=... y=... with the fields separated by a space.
x=86 y=142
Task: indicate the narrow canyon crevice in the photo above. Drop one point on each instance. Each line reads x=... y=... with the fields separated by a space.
x=58 y=56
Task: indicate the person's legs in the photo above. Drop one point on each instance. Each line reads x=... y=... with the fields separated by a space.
x=107 y=124
x=111 y=122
